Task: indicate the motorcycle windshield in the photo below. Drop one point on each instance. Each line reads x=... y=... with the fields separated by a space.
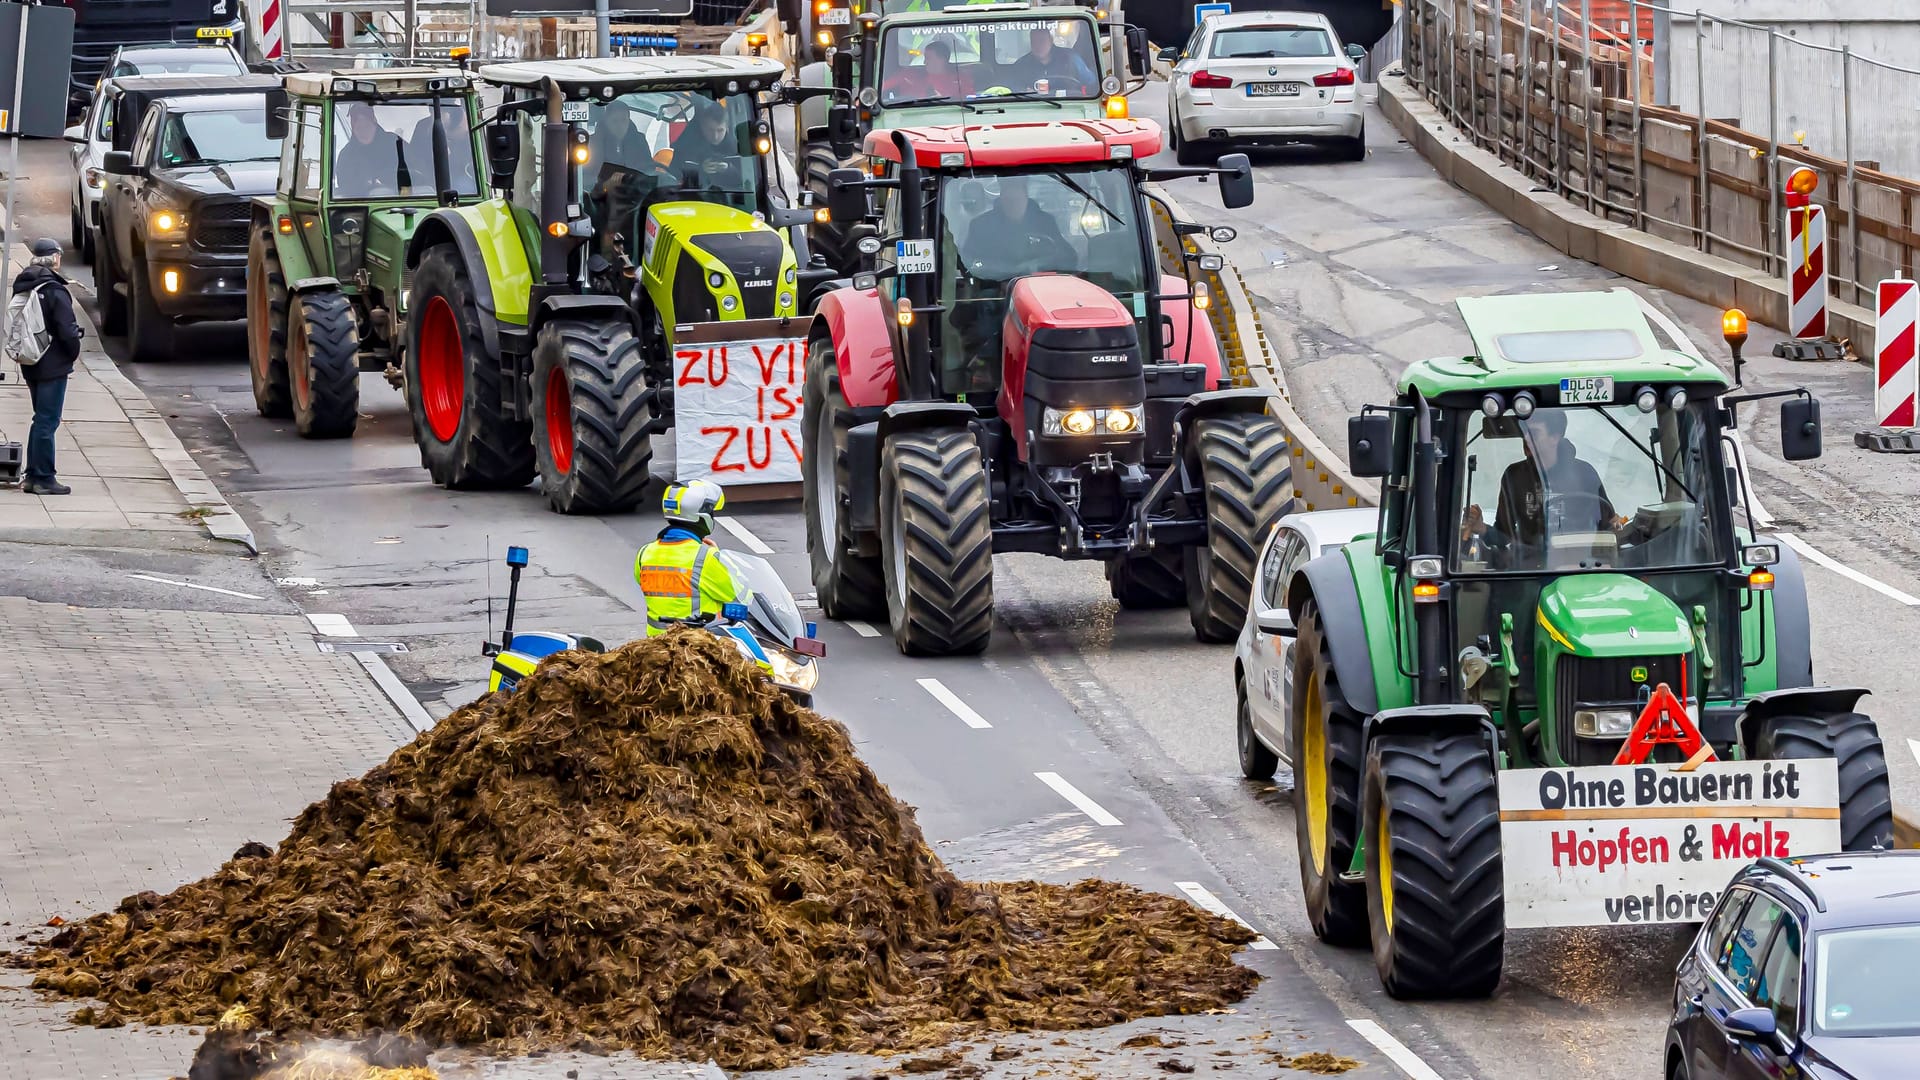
x=775 y=615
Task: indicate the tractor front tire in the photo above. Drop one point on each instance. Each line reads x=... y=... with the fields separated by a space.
x=832 y=240
x=937 y=547
x=323 y=365
x=849 y=585
x=454 y=385
x=150 y=330
x=1157 y=579
x=594 y=416
x=267 y=328
x=1248 y=481
x=1852 y=740
x=1326 y=749
x=1434 y=891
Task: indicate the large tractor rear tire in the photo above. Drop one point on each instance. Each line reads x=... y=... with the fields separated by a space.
x=323 y=365
x=1326 y=751
x=832 y=240
x=594 y=416
x=937 y=546
x=267 y=328
x=1434 y=892
x=849 y=585
x=1157 y=579
x=1853 y=740
x=150 y=331
x=1249 y=480
x=454 y=385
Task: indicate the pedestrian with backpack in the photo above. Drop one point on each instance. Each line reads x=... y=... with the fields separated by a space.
x=44 y=339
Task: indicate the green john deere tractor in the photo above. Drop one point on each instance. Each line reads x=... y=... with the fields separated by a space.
x=885 y=68
x=1563 y=535
x=364 y=156
x=633 y=217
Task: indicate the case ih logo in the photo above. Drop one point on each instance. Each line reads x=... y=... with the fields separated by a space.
x=1110 y=358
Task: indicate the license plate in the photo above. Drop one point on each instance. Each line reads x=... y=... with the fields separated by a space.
x=1588 y=390
x=835 y=16
x=213 y=32
x=574 y=112
x=1273 y=89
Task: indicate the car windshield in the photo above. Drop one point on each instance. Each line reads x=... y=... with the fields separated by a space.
x=1867 y=982
x=196 y=62
x=384 y=148
x=1587 y=488
x=996 y=227
x=659 y=146
x=757 y=586
x=1270 y=43
x=975 y=63
x=216 y=137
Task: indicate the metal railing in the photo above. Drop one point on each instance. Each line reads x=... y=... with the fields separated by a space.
x=1651 y=119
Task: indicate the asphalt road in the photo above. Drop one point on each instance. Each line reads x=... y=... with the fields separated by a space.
x=1355 y=266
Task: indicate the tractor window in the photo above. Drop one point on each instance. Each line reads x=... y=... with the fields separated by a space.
x=384 y=149
x=1057 y=58
x=660 y=146
x=215 y=138
x=308 y=136
x=994 y=228
x=1588 y=488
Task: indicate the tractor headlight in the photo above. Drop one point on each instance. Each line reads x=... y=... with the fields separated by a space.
x=716 y=279
x=728 y=303
x=786 y=299
x=1603 y=723
x=1117 y=420
x=169 y=221
x=790 y=275
x=792 y=671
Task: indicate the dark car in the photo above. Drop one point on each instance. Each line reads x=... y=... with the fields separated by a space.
x=174 y=217
x=1808 y=968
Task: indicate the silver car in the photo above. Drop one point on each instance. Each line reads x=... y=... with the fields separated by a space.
x=92 y=137
x=1266 y=77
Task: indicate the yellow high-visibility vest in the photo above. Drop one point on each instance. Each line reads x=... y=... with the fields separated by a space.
x=680 y=578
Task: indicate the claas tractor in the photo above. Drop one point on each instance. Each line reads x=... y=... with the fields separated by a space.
x=1018 y=375
x=1567 y=682
x=908 y=63
x=366 y=155
x=632 y=217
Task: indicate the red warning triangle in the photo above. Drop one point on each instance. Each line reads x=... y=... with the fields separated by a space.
x=1664 y=722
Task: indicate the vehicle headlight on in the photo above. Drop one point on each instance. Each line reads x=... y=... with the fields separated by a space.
x=167 y=221
x=1114 y=420
x=798 y=672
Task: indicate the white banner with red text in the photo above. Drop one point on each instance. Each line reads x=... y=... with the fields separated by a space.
x=736 y=410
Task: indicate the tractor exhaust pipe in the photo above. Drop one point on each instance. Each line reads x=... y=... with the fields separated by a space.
x=921 y=384
x=554 y=194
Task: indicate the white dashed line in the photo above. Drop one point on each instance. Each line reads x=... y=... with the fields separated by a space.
x=332 y=625
x=1396 y=1052
x=1844 y=570
x=740 y=533
x=861 y=628
x=953 y=703
x=1206 y=901
x=1078 y=798
x=1914 y=745
x=191 y=585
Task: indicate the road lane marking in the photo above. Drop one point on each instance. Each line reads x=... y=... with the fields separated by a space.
x=1844 y=570
x=332 y=625
x=1206 y=901
x=952 y=701
x=1396 y=1051
x=1078 y=798
x=740 y=533
x=861 y=628
x=1914 y=745
x=191 y=585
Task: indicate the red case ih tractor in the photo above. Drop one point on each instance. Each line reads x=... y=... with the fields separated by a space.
x=1015 y=373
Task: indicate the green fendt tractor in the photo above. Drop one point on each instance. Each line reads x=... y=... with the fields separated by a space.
x=634 y=219
x=1566 y=683
x=363 y=160
x=910 y=63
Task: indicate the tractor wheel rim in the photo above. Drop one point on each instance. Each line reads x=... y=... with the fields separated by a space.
x=1386 y=872
x=559 y=421
x=443 y=372
x=825 y=484
x=1313 y=766
x=297 y=360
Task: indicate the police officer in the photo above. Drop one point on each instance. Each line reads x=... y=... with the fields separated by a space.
x=678 y=572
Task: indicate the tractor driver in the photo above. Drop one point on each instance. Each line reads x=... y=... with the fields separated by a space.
x=707 y=153
x=622 y=159
x=1550 y=482
x=1011 y=238
x=1061 y=69
x=373 y=162
x=678 y=572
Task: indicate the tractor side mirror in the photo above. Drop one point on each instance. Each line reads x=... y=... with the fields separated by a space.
x=843 y=130
x=1370 y=444
x=118 y=163
x=1236 y=182
x=1137 y=52
x=1800 y=429
x=846 y=195
x=1356 y=53
x=503 y=154
x=1169 y=55
x=786 y=217
x=843 y=69
x=279 y=102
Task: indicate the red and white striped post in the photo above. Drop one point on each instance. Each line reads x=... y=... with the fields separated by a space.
x=1896 y=366
x=269 y=28
x=1806 y=257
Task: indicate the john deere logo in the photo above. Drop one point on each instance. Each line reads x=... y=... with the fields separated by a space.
x=1639 y=674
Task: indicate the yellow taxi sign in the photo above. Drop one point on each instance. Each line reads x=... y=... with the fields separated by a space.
x=213 y=32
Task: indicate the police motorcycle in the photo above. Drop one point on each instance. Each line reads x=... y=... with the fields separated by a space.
x=762 y=621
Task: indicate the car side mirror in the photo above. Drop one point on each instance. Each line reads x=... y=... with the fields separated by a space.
x=1138 y=49
x=1275 y=621
x=843 y=130
x=279 y=102
x=76 y=133
x=1370 y=444
x=1169 y=55
x=846 y=196
x=117 y=163
x=1236 y=183
x=503 y=154
x=1800 y=429
x=1356 y=53
x=1754 y=1025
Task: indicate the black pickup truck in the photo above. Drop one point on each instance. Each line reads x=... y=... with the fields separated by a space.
x=174 y=217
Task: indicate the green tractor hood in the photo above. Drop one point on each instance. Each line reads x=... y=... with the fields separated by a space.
x=703 y=262
x=1604 y=615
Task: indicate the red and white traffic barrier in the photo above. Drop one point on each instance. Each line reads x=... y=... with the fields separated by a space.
x=269 y=28
x=1806 y=257
x=1896 y=365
